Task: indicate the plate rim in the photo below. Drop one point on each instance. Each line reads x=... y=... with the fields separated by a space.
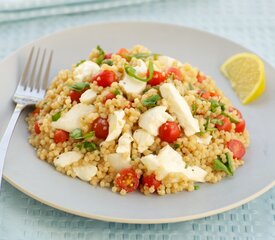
x=125 y=220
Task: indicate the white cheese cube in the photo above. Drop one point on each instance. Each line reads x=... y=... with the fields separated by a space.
x=204 y=140
x=85 y=71
x=116 y=123
x=85 y=173
x=180 y=108
x=88 y=96
x=71 y=119
x=195 y=173
x=119 y=160
x=67 y=158
x=153 y=118
x=151 y=162
x=143 y=139
x=124 y=143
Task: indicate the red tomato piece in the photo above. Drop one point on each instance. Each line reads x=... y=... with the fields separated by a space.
x=123 y=52
x=200 y=77
x=175 y=72
x=101 y=127
x=237 y=148
x=75 y=95
x=37 y=128
x=226 y=126
x=169 y=131
x=157 y=78
x=150 y=180
x=240 y=126
x=108 y=56
x=36 y=111
x=109 y=96
x=207 y=95
x=105 y=78
x=60 y=136
x=127 y=179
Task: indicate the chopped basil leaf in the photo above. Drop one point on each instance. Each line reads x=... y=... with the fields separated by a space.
x=56 y=116
x=233 y=120
x=190 y=86
x=89 y=135
x=214 y=105
x=220 y=166
x=194 y=108
x=143 y=55
x=79 y=86
x=176 y=146
x=80 y=62
x=229 y=163
x=151 y=101
x=196 y=187
x=101 y=55
x=217 y=121
x=132 y=72
x=108 y=62
x=117 y=92
x=90 y=146
x=76 y=134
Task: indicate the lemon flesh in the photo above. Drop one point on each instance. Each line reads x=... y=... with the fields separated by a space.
x=246 y=74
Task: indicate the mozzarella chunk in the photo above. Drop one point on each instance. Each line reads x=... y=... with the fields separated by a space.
x=116 y=123
x=85 y=173
x=180 y=108
x=170 y=161
x=88 y=96
x=124 y=143
x=143 y=139
x=85 y=71
x=153 y=118
x=67 y=158
x=132 y=85
x=204 y=140
x=119 y=160
x=165 y=62
x=71 y=119
x=151 y=162
x=195 y=173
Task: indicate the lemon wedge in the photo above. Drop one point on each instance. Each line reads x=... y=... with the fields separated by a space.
x=246 y=74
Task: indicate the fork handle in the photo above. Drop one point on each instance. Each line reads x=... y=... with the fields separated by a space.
x=7 y=136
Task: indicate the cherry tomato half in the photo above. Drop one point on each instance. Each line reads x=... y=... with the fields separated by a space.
x=175 y=72
x=60 y=136
x=127 y=179
x=105 y=78
x=108 y=56
x=207 y=95
x=157 y=78
x=110 y=95
x=169 y=131
x=226 y=124
x=101 y=127
x=240 y=126
x=201 y=77
x=150 y=180
x=237 y=148
x=123 y=52
x=37 y=128
x=75 y=95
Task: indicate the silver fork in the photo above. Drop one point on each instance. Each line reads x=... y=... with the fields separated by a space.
x=30 y=90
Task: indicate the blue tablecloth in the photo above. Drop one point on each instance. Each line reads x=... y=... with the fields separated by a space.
x=248 y=22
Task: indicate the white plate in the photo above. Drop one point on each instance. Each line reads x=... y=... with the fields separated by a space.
x=206 y=51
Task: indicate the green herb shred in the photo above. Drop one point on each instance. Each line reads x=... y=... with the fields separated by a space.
x=76 y=134
x=90 y=146
x=144 y=55
x=175 y=145
x=132 y=72
x=194 y=108
x=214 y=105
x=89 y=135
x=117 y=92
x=229 y=163
x=79 y=86
x=196 y=187
x=80 y=62
x=233 y=120
x=217 y=121
x=56 y=116
x=220 y=166
x=108 y=62
x=101 y=56
x=151 y=101
x=206 y=125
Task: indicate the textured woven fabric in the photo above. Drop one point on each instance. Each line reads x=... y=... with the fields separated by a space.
x=248 y=22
